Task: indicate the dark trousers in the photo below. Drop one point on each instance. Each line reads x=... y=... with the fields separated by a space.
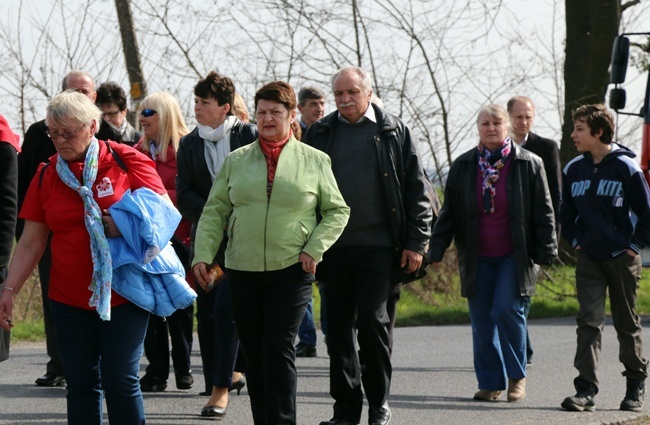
x=269 y=307
x=621 y=277
x=358 y=283
x=218 y=337
x=156 y=344
x=54 y=365
x=102 y=358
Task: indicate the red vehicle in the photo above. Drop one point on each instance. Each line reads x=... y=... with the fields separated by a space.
x=617 y=95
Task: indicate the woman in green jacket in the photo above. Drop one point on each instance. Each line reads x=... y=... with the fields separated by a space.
x=282 y=209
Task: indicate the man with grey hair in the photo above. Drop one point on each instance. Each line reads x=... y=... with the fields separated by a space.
x=37 y=148
x=379 y=173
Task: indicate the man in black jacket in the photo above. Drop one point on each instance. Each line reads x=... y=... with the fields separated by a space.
x=380 y=175
x=522 y=116
x=37 y=148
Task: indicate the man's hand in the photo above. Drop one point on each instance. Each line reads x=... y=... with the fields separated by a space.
x=411 y=260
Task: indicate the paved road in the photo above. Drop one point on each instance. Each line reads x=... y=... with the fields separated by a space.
x=433 y=381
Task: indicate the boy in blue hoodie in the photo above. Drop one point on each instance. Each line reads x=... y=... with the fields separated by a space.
x=605 y=216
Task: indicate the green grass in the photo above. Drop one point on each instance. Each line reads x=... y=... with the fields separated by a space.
x=434 y=300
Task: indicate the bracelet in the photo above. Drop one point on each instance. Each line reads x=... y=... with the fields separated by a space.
x=10 y=289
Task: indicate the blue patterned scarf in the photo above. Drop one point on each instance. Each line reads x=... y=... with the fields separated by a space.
x=491 y=163
x=102 y=264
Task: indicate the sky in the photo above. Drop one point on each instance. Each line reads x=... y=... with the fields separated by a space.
x=543 y=18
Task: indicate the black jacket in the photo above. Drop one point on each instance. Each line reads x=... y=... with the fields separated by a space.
x=8 y=201
x=193 y=181
x=531 y=213
x=409 y=208
x=548 y=150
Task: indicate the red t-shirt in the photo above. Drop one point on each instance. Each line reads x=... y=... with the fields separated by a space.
x=52 y=202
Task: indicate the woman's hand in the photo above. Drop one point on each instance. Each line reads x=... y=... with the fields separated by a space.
x=110 y=229
x=308 y=263
x=201 y=273
x=6 y=309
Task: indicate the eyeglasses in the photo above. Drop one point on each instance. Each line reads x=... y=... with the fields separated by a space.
x=110 y=114
x=67 y=135
x=148 y=113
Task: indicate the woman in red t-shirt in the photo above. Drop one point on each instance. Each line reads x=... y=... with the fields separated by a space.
x=100 y=334
x=163 y=126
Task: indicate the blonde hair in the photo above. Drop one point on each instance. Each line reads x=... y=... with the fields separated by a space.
x=497 y=113
x=239 y=108
x=171 y=125
x=73 y=105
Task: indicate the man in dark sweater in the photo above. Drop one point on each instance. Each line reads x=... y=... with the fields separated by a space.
x=380 y=175
x=37 y=148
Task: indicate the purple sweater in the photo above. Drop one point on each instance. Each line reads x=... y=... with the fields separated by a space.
x=495 y=239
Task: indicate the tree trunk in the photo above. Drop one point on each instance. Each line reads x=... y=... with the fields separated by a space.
x=591 y=27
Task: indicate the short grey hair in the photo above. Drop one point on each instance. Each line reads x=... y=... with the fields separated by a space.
x=497 y=113
x=73 y=105
x=364 y=77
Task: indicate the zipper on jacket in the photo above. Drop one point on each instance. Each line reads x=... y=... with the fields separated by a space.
x=266 y=222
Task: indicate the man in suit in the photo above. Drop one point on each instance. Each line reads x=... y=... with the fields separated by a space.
x=522 y=116
x=311 y=104
x=37 y=148
x=379 y=172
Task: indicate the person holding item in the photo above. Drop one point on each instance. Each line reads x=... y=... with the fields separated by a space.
x=498 y=211
x=200 y=157
x=67 y=198
x=269 y=196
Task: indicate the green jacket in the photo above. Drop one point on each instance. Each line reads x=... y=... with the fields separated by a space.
x=269 y=234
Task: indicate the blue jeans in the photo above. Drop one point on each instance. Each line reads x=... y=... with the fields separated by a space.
x=498 y=323
x=101 y=357
x=307 y=330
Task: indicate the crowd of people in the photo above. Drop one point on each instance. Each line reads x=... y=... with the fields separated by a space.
x=134 y=234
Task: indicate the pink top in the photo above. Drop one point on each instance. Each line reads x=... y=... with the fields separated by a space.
x=495 y=239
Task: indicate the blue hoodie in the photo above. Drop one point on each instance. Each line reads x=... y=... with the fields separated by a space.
x=606 y=206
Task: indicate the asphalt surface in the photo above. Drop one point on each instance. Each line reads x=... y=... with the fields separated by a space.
x=433 y=383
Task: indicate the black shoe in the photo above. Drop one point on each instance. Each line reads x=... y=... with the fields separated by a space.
x=51 y=380
x=379 y=415
x=336 y=421
x=634 y=395
x=184 y=381
x=584 y=400
x=214 y=411
x=237 y=386
x=305 y=350
x=152 y=384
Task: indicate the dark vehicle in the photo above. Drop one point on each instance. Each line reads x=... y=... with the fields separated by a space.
x=617 y=95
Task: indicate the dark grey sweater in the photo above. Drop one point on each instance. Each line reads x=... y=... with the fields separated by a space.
x=356 y=168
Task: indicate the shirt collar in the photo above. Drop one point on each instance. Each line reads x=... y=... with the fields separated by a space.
x=368 y=115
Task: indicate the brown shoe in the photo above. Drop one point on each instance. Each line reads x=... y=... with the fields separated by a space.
x=516 y=389
x=487 y=395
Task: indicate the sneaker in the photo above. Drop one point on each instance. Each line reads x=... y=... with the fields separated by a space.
x=184 y=381
x=584 y=400
x=305 y=350
x=634 y=395
x=152 y=384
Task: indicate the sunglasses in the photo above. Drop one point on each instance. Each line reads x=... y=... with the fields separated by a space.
x=148 y=113
x=67 y=135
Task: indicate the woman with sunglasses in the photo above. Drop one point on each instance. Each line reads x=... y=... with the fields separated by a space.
x=100 y=333
x=163 y=126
